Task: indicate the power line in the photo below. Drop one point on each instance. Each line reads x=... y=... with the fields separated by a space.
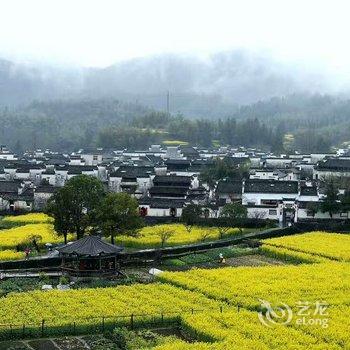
x=168 y=102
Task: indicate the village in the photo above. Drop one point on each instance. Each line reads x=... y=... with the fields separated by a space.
x=283 y=188
x=174 y=175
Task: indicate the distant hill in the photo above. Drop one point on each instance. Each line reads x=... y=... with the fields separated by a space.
x=315 y=122
x=24 y=83
x=63 y=124
x=210 y=88
x=68 y=108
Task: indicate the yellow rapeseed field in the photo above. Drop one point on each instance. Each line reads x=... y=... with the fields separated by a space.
x=243 y=330
x=15 y=236
x=149 y=236
x=19 y=237
x=82 y=305
x=11 y=255
x=290 y=283
x=31 y=218
x=328 y=245
x=290 y=256
x=322 y=275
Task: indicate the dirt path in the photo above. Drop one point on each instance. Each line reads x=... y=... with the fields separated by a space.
x=243 y=260
x=67 y=343
x=253 y=260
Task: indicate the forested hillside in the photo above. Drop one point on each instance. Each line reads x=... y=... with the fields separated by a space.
x=63 y=124
x=201 y=87
x=309 y=123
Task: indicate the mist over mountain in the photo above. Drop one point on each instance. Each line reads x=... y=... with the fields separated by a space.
x=22 y=83
x=199 y=87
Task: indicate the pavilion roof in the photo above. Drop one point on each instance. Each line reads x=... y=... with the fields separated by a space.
x=90 y=246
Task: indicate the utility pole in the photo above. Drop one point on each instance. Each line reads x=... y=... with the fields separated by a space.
x=168 y=102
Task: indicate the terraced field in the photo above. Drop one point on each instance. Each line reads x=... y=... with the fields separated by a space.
x=237 y=308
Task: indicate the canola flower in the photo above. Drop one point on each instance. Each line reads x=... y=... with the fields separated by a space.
x=149 y=237
x=18 y=236
x=31 y=218
x=327 y=245
x=243 y=330
x=11 y=255
x=85 y=305
x=290 y=256
x=244 y=286
x=321 y=279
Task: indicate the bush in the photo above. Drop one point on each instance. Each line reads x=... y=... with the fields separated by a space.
x=131 y=340
x=44 y=278
x=64 y=280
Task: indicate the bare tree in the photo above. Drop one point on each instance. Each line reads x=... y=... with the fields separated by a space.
x=190 y=215
x=223 y=230
x=164 y=235
x=258 y=214
x=35 y=240
x=204 y=235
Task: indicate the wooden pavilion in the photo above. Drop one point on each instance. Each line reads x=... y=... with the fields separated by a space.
x=90 y=256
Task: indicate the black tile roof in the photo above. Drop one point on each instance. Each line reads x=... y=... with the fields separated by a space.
x=308 y=191
x=133 y=171
x=46 y=189
x=162 y=203
x=189 y=151
x=270 y=186
x=168 y=190
x=334 y=164
x=225 y=186
x=172 y=180
x=48 y=172
x=76 y=169
x=177 y=162
x=90 y=246
x=9 y=186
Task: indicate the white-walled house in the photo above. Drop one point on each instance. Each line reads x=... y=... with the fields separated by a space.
x=278 y=162
x=15 y=195
x=42 y=194
x=291 y=174
x=49 y=176
x=161 y=207
x=228 y=191
x=6 y=154
x=95 y=156
x=332 y=167
x=270 y=199
x=131 y=179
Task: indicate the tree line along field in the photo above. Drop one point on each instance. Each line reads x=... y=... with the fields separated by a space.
x=24 y=228
x=149 y=237
x=237 y=291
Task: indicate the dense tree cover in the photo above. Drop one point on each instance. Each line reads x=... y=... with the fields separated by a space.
x=63 y=124
x=224 y=169
x=245 y=128
x=337 y=196
x=118 y=214
x=82 y=205
x=74 y=205
x=234 y=211
x=314 y=123
x=190 y=215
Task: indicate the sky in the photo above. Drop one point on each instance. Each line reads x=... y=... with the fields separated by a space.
x=102 y=32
